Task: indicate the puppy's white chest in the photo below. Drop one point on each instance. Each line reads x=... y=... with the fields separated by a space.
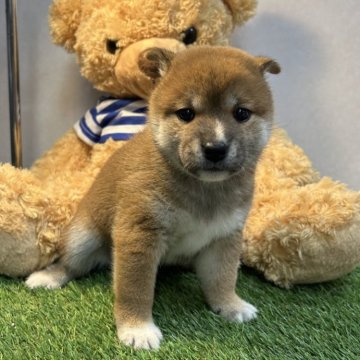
x=188 y=235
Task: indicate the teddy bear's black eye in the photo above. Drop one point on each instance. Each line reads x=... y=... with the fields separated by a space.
x=189 y=36
x=242 y=114
x=185 y=114
x=111 y=46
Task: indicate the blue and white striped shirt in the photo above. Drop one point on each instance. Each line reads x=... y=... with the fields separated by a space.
x=118 y=119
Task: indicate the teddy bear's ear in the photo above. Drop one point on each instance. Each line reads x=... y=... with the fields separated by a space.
x=155 y=62
x=242 y=10
x=64 y=20
x=268 y=65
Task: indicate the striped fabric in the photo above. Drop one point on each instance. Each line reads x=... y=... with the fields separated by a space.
x=118 y=119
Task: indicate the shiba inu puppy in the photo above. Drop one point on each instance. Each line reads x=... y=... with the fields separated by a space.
x=179 y=191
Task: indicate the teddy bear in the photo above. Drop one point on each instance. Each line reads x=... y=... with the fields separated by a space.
x=301 y=229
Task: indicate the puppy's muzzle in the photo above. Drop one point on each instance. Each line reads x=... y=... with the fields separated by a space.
x=215 y=151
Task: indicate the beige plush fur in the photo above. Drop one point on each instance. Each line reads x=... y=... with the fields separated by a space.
x=302 y=229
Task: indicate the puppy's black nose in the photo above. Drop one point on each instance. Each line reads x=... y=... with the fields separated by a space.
x=215 y=152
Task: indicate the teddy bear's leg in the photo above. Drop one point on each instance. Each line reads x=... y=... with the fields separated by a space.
x=304 y=235
x=301 y=229
x=21 y=201
x=35 y=204
x=19 y=254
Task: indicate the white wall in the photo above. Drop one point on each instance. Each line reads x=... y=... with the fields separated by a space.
x=53 y=95
x=317 y=95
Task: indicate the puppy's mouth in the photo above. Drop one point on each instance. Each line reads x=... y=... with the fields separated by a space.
x=214 y=175
x=214 y=167
x=212 y=172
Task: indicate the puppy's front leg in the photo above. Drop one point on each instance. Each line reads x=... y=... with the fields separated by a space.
x=136 y=257
x=217 y=267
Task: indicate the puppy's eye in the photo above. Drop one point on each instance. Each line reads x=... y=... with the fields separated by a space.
x=242 y=114
x=189 y=36
x=185 y=114
x=112 y=46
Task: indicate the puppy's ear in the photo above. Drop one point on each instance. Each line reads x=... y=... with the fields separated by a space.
x=268 y=65
x=155 y=62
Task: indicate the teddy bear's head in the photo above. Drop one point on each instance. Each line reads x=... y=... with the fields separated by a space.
x=109 y=35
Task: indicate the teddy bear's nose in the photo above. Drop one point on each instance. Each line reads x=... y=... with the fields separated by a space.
x=215 y=152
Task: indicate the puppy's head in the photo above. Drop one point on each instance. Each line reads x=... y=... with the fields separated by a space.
x=211 y=111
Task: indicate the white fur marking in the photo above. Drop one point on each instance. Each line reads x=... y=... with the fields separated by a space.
x=162 y=71
x=147 y=336
x=52 y=277
x=232 y=151
x=85 y=249
x=189 y=235
x=231 y=101
x=265 y=131
x=247 y=313
x=213 y=176
x=219 y=132
x=84 y=252
x=161 y=135
x=196 y=102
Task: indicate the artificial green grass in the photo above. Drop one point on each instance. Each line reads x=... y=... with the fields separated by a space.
x=306 y=322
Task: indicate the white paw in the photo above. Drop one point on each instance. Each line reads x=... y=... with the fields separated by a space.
x=146 y=336
x=238 y=310
x=45 y=279
x=246 y=313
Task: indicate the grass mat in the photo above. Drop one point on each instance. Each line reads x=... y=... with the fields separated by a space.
x=306 y=322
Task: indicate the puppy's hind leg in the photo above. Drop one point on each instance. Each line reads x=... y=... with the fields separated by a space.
x=82 y=250
x=53 y=277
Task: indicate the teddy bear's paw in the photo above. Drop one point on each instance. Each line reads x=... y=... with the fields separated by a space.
x=240 y=311
x=50 y=278
x=147 y=336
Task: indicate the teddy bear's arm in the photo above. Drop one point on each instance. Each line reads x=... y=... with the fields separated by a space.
x=67 y=155
x=286 y=161
x=22 y=206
